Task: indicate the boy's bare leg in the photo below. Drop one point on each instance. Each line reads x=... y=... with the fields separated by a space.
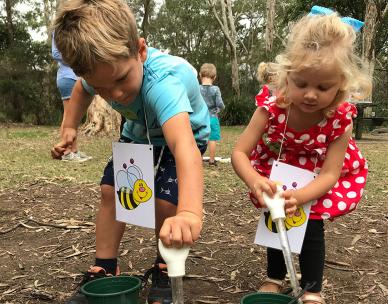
x=160 y=290
x=212 y=150
x=108 y=231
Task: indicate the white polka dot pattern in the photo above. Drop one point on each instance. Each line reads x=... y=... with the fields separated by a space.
x=336 y=124
x=360 y=180
x=341 y=206
x=346 y=184
x=307 y=150
x=281 y=118
x=327 y=203
x=321 y=138
x=305 y=137
x=302 y=160
x=339 y=194
x=290 y=135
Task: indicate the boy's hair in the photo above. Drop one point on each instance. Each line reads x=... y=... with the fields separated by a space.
x=318 y=40
x=208 y=70
x=91 y=31
x=265 y=72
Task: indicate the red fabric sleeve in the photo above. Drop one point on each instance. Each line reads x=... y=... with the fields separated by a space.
x=342 y=119
x=263 y=95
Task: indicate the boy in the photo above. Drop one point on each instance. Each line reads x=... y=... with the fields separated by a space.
x=160 y=97
x=212 y=96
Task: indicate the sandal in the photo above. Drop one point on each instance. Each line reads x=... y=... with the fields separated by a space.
x=269 y=281
x=312 y=299
x=160 y=291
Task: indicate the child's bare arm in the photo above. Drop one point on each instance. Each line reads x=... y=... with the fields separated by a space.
x=329 y=173
x=185 y=227
x=241 y=152
x=78 y=104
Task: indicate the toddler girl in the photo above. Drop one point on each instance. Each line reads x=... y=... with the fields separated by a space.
x=309 y=125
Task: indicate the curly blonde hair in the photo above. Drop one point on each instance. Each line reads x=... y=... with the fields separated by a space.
x=91 y=31
x=321 y=40
x=265 y=72
x=208 y=70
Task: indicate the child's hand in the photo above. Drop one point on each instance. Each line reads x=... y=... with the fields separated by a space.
x=182 y=229
x=67 y=138
x=261 y=185
x=291 y=203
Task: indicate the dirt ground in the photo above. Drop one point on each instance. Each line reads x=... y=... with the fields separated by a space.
x=47 y=239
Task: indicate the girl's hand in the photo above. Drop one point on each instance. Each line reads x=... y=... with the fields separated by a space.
x=263 y=184
x=291 y=203
x=182 y=229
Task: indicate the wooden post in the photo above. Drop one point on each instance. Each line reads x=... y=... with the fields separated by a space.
x=359 y=122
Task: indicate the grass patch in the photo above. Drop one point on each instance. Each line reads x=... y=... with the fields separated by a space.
x=25 y=157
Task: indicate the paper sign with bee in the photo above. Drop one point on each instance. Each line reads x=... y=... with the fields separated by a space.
x=289 y=177
x=134 y=184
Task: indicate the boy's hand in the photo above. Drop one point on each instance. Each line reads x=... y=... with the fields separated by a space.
x=291 y=203
x=182 y=229
x=261 y=185
x=67 y=138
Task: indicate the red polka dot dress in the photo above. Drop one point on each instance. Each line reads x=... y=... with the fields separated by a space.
x=307 y=150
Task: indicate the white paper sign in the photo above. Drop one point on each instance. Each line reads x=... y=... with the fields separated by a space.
x=289 y=177
x=134 y=184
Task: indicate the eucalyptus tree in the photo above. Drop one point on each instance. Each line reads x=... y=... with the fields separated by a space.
x=223 y=12
x=269 y=29
x=22 y=62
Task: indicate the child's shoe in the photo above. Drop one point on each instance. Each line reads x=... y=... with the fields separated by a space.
x=76 y=157
x=95 y=272
x=271 y=285
x=312 y=298
x=213 y=163
x=160 y=291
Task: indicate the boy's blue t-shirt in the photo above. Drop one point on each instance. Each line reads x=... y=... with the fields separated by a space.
x=169 y=87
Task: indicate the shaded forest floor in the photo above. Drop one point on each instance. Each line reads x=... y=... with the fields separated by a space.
x=47 y=230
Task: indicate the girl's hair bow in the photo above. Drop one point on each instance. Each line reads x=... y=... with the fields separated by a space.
x=320 y=10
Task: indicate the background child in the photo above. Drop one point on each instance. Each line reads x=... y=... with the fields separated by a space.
x=212 y=96
x=266 y=76
x=160 y=97
x=309 y=125
x=65 y=83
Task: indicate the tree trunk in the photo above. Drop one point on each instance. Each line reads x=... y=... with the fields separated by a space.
x=269 y=29
x=101 y=119
x=369 y=34
x=146 y=18
x=48 y=15
x=10 y=28
x=226 y=22
x=374 y=14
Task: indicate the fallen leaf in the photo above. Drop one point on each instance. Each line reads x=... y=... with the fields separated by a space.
x=356 y=238
x=384 y=289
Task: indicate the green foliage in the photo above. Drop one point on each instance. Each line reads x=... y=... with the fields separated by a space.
x=238 y=111
x=187 y=29
x=25 y=88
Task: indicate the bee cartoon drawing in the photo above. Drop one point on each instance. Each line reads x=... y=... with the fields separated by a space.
x=133 y=189
x=298 y=219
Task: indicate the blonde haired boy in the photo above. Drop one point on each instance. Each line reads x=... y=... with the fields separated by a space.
x=158 y=94
x=212 y=95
